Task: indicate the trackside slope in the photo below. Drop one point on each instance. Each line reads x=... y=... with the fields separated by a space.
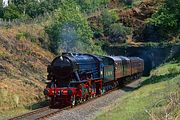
x=23 y=64
x=158 y=97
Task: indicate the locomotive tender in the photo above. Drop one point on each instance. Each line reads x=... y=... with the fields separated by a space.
x=73 y=77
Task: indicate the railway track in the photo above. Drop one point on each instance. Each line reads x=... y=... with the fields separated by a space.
x=46 y=112
x=69 y=107
x=30 y=113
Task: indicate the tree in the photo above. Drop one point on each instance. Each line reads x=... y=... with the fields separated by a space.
x=69 y=31
x=21 y=5
x=27 y=7
x=49 y=6
x=32 y=9
x=167 y=17
x=109 y=17
x=1 y=8
x=88 y=5
x=118 y=32
x=11 y=12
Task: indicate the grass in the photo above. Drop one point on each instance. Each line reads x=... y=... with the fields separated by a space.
x=21 y=109
x=23 y=64
x=157 y=98
x=16 y=111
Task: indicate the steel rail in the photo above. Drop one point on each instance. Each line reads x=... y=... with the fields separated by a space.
x=53 y=112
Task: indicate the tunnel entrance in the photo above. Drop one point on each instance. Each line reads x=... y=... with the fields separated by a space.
x=152 y=56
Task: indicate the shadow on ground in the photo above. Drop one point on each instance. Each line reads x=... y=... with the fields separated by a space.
x=152 y=80
x=37 y=105
x=128 y=89
x=159 y=78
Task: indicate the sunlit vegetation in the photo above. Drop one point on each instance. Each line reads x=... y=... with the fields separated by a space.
x=147 y=24
x=32 y=32
x=22 y=68
x=69 y=31
x=156 y=98
x=167 y=18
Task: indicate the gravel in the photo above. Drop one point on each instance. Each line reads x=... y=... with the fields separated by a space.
x=89 y=109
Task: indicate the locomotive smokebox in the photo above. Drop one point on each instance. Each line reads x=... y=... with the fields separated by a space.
x=61 y=67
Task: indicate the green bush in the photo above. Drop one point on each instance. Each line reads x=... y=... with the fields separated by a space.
x=32 y=8
x=97 y=30
x=25 y=35
x=167 y=17
x=109 y=17
x=24 y=9
x=89 y=5
x=164 y=19
x=128 y=2
x=1 y=9
x=118 y=32
x=69 y=30
x=11 y=12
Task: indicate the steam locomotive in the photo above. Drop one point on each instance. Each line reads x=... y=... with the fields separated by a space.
x=74 y=77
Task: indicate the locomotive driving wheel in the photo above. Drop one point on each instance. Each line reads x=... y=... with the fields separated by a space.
x=80 y=100
x=73 y=101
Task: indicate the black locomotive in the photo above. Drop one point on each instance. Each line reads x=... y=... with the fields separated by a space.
x=73 y=77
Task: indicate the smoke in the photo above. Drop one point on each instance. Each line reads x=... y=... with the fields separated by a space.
x=68 y=39
x=5 y=3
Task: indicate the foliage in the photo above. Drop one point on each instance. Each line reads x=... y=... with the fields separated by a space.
x=88 y=5
x=157 y=97
x=164 y=19
x=28 y=8
x=69 y=30
x=33 y=8
x=167 y=17
x=115 y=31
x=25 y=35
x=109 y=17
x=1 y=9
x=11 y=12
x=118 y=32
x=128 y=2
x=97 y=30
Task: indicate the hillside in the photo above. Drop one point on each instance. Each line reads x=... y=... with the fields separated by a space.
x=104 y=21
x=23 y=65
x=157 y=98
x=138 y=21
x=32 y=33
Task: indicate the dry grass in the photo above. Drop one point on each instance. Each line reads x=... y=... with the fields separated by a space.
x=23 y=65
x=171 y=111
